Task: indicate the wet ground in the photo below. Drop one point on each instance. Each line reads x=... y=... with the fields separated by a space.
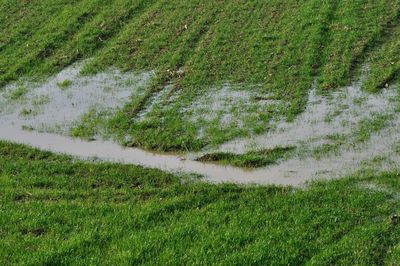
x=55 y=105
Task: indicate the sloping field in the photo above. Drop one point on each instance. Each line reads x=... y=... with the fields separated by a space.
x=283 y=96
x=271 y=49
x=57 y=210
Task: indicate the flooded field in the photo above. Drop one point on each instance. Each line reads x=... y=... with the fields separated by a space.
x=232 y=106
x=32 y=114
x=337 y=113
x=56 y=104
x=292 y=172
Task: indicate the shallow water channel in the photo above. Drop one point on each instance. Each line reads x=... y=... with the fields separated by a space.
x=292 y=172
x=338 y=113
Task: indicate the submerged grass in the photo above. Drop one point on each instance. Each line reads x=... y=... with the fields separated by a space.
x=359 y=135
x=59 y=210
x=196 y=45
x=18 y=93
x=55 y=209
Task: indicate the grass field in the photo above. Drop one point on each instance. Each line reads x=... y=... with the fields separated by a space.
x=59 y=210
x=255 y=84
x=274 y=49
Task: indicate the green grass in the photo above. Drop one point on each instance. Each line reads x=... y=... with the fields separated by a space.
x=59 y=210
x=360 y=134
x=56 y=209
x=280 y=45
x=250 y=159
x=91 y=124
x=27 y=112
x=64 y=84
x=371 y=125
x=18 y=93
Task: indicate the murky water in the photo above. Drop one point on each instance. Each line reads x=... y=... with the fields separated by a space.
x=48 y=106
x=340 y=112
x=231 y=105
x=109 y=151
x=292 y=172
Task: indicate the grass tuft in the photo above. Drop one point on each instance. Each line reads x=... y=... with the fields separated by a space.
x=64 y=84
x=250 y=159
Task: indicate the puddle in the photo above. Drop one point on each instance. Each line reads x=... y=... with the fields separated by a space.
x=59 y=102
x=231 y=106
x=109 y=151
x=293 y=172
x=340 y=112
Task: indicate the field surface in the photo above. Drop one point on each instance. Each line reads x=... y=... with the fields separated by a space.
x=57 y=210
x=266 y=50
x=291 y=109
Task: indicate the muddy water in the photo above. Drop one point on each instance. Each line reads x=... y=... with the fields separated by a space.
x=294 y=172
x=49 y=107
x=110 y=151
x=340 y=112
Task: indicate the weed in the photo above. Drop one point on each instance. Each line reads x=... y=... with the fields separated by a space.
x=64 y=84
x=26 y=112
x=18 y=93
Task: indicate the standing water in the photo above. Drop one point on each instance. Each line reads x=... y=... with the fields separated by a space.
x=323 y=116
